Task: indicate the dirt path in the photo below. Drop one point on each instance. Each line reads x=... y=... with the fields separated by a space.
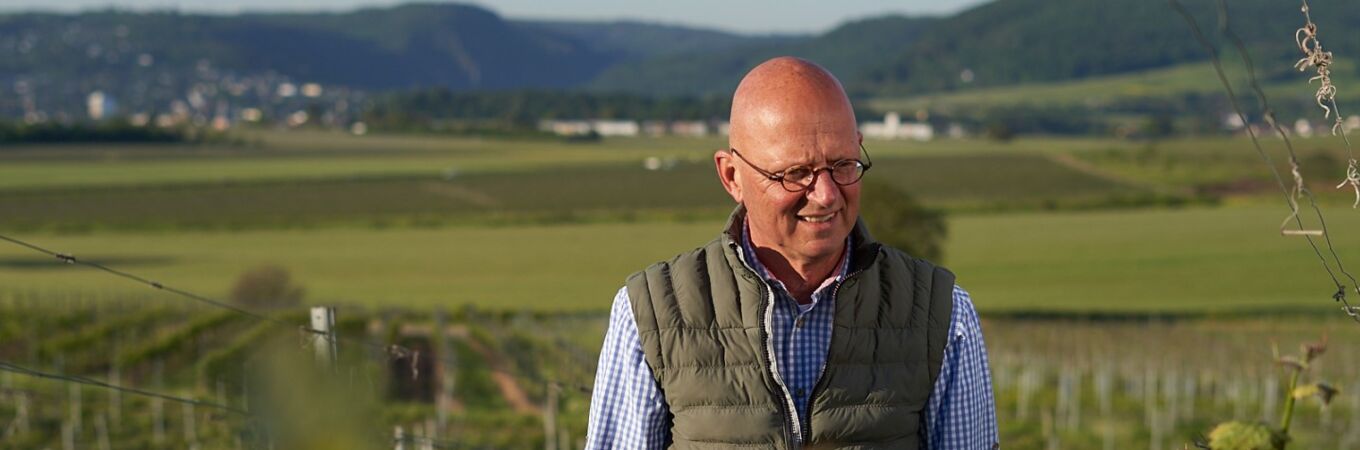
x=1074 y=163
x=510 y=389
x=500 y=371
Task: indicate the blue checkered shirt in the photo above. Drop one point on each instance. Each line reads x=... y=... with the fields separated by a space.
x=628 y=410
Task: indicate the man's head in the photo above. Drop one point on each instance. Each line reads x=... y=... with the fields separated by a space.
x=789 y=112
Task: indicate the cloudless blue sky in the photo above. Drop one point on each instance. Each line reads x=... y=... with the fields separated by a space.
x=757 y=16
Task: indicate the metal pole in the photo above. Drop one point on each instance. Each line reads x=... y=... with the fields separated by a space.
x=323 y=327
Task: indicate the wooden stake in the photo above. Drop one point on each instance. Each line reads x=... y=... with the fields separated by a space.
x=101 y=428
x=74 y=401
x=115 y=398
x=190 y=428
x=550 y=419
x=158 y=406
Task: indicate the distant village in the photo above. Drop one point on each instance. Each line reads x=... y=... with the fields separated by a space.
x=292 y=105
x=891 y=127
x=223 y=101
x=286 y=104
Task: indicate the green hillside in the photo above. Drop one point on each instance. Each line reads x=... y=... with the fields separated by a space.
x=1005 y=43
x=1169 y=84
x=848 y=51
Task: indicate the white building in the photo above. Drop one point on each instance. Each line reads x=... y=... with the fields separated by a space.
x=691 y=128
x=893 y=127
x=615 y=127
x=580 y=127
x=100 y=106
x=654 y=128
x=564 y=127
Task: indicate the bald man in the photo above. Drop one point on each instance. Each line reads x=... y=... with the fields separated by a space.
x=794 y=328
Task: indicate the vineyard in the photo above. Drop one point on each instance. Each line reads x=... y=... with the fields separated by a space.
x=483 y=382
x=1130 y=291
x=471 y=378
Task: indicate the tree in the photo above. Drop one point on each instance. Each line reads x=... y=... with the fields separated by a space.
x=895 y=218
x=267 y=286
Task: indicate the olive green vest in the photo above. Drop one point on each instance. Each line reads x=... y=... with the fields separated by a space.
x=704 y=321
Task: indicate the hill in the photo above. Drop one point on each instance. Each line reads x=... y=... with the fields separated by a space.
x=641 y=40
x=849 y=50
x=1006 y=42
x=414 y=45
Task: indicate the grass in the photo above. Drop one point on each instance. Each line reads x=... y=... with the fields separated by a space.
x=298 y=194
x=1221 y=260
x=284 y=157
x=1168 y=83
x=601 y=191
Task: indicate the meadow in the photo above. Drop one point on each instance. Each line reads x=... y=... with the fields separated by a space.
x=1071 y=248
x=1166 y=84
x=1195 y=260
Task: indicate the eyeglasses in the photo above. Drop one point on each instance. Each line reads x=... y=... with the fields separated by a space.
x=799 y=178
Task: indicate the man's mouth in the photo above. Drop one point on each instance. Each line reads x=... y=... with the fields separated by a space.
x=816 y=219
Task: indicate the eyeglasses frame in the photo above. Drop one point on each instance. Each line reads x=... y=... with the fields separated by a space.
x=779 y=176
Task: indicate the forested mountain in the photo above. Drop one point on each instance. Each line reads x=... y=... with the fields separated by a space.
x=1008 y=42
x=150 y=60
x=415 y=45
x=1014 y=41
x=848 y=51
x=641 y=40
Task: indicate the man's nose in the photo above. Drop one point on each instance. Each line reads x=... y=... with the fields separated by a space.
x=824 y=191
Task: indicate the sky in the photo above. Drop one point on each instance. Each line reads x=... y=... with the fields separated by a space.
x=742 y=16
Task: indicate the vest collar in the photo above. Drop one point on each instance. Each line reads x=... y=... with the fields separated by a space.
x=863 y=253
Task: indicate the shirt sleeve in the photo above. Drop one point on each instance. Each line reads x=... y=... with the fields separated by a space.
x=961 y=414
x=627 y=410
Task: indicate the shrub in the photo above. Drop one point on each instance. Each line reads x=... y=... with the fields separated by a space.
x=895 y=218
x=267 y=286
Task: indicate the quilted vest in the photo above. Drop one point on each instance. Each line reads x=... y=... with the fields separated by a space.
x=704 y=322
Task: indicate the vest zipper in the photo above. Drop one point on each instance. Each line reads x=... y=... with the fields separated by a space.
x=821 y=381
x=789 y=410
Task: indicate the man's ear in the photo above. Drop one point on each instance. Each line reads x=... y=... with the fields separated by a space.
x=727 y=173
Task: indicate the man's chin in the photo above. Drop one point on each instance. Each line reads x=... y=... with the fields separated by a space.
x=828 y=247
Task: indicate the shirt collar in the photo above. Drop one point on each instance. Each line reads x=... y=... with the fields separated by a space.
x=749 y=250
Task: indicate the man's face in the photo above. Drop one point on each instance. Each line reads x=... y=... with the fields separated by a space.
x=810 y=225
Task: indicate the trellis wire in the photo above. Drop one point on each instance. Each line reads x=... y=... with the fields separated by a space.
x=1300 y=189
x=15 y=368
x=392 y=350
x=1307 y=40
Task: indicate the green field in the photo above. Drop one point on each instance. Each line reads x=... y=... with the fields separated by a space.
x=1201 y=259
x=378 y=220
x=1171 y=244
x=1156 y=84
x=548 y=194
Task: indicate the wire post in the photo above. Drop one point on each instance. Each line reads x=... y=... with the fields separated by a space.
x=190 y=427
x=323 y=340
x=115 y=398
x=446 y=351
x=550 y=419
x=101 y=428
x=158 y=406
